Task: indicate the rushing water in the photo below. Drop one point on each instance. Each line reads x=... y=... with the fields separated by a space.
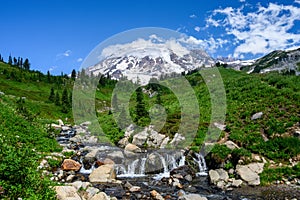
x=137 y=166
x=136 y=170
x=202 y=165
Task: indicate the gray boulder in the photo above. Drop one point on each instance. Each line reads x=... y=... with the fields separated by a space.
x=155 y=139
x=231 y=145
x=140 y=138
x=177 y=139
x=66 y=193
x=100 y=196
x=249 y=173
x=237 y=182
x=103 y=174
x=192 y=197
x=214 y=176
x=116 y=156
x=257 y=116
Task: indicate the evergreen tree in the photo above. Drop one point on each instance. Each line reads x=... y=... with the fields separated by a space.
x=70 y=99
x=52 y=95
x=140 y=104
x=158 y=98
x=48 y=77
x=26 y=64
x=73 y=74
x=57 y=99
x=10 y=60
x=18 y=62
x=15 y=61
x=65 y=101
x=21 y=63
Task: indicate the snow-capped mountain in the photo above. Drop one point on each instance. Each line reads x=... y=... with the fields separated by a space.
x=145 y=59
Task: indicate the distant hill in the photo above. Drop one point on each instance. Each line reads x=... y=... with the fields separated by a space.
x=286 y=62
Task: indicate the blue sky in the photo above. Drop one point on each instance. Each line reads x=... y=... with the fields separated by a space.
x=57 y=35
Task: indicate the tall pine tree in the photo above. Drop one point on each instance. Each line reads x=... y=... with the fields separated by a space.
x=48 y=77
x=73 y=74
x=26 y=64
x=52 y=95
x=65 y=101
x=10 y=60
x=140 y=105
x=57 y=99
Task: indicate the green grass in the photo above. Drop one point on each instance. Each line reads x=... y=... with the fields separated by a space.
x=270 y=175
x=21 y=140
x=35 y=87
x=277 y=96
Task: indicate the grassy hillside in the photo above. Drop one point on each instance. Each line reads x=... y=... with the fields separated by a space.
x=271 y=136
x=23 y=121
x=25 y=112
x=23 y=144
x=35 y=87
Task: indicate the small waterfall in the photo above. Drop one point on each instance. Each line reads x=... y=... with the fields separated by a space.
x=86 y=171
x=181 y=161
x=136 y=168
x=142 y=169
x=202 y=164
x=173 y=162
x=163 y=162
x=132 y=168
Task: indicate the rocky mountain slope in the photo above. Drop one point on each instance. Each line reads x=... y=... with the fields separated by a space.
x=155 y=60
x=285 y=61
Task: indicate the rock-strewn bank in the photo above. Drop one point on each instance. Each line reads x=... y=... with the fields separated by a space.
x=88 y=172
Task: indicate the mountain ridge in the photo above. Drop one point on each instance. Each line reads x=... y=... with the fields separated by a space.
x=284 y=61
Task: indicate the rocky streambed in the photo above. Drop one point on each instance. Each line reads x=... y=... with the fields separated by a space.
x=91 y=170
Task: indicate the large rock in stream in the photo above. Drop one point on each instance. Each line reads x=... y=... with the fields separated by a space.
x=103 y=174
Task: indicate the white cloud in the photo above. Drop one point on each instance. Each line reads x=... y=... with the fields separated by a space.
x=260 y=31
x=297 y=1
x=79 y=60
x=197 y=28
x=142 y=47
x=67 y=53
x=242 y=1
x=52 y=68
x=193 y=16
x=210 y=45
x=155 y=38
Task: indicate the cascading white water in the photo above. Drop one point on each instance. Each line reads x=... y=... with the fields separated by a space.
x=173 y=162
x=202 y=164
x=86 y=171
x=132 y=169
x=142 y=169
x=137 y=167
x=181 y=161
x=163 y=162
